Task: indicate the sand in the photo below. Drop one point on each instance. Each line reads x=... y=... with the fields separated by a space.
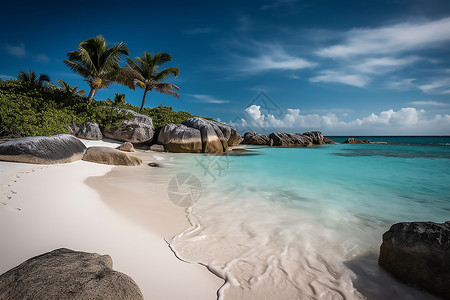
x=94 y=208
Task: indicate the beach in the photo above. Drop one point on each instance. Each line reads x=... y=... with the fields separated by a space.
x=45 y=207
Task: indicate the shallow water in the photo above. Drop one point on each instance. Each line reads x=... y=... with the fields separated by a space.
x=306 y=223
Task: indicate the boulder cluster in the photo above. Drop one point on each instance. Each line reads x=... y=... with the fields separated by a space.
x=284 y=139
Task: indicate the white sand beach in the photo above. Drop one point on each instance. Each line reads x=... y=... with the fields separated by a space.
x=91 y=207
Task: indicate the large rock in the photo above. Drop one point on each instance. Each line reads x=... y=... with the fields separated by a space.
x=138 y=129
x=254 y=138
x=89 y=131
x=127 y=146
x=355 y=141
x=64 y=274
x=213 y=140
x=180 y=138
x=62 y=148
x=418 y=253
x=230 y=133
x=110 y=156
x=316 y=137
x=284 y=139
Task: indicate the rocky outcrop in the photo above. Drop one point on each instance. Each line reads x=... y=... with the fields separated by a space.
x=213 y=140
x=418 y=253
x=197 y=135
x=355 y=141
x=89 y=131
x=254 y=138
x=136 y=130
x=62 y=148
x=127 y=146
x=65 y=274
x=284 y=139
x=180 y=138
x=110 y=156
x=328 y=141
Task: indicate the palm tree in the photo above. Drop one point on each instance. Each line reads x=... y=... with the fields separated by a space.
x=66 y=88
x=32 y=79
x=144 y=73
x=96 y=62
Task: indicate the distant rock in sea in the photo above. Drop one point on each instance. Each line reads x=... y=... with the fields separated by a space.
x=66 y=274
x=355 y=141
x=62 y=148
x=89 y=131
x=418 y=253
x=197 y=135
x=284 y=139
x=136 y=130
x=110 y=156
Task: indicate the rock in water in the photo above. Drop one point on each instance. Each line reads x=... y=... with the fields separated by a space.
x=213 y=140
x=254 y=138
x=127 y=146
x=418 y=253
x=138 y=129
x=89 y=131
x=355 y=141
x=110 y=156
x=65 y=274
x=180 y=138
x=285 y=139
x=62 y=148
x=316 y=137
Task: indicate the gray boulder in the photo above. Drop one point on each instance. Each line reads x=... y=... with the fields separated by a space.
x=230 y=133
x=127 y=146
x=138 y=129
x=284 y=139
x=316 y=137
x=110 y=156
x=418 y=253
x=213 y=140
x=62 y=148
x=254 y=138
x=64 y=274
x=180 y=138
x=355 y=141
x=89 y=131
x=157 y=147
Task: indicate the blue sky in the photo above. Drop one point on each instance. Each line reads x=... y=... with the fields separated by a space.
x=342 y=67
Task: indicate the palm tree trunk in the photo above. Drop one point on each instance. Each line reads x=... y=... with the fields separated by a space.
x=91 y=95
x=143 y=100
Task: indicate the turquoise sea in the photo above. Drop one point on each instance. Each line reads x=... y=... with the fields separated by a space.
x=306 y=223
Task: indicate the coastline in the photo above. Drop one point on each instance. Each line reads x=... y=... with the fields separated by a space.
x=79 y=206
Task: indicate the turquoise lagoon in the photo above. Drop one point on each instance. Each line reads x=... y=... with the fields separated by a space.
x=306 y=223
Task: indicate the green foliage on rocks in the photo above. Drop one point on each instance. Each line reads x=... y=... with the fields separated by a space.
x=35 y=111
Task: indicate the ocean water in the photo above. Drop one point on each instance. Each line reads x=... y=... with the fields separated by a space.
x=306 y=223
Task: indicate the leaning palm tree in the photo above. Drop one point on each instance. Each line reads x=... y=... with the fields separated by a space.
x=32 y=80
x=67 y=89
x=144 y=73
x=96 y=62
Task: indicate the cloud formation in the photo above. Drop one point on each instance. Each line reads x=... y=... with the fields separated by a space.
x=21 y=52
x=207 y=99
x=357 y=80
x=406 y=121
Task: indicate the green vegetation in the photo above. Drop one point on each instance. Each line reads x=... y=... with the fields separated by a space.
x=96 y=62
x=144 y=73
x=32 y=111
x=32 y=80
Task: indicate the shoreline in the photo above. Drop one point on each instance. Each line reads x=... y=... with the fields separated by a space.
x=61 y=206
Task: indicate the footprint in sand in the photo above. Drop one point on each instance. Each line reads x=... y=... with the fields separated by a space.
x=13 y=209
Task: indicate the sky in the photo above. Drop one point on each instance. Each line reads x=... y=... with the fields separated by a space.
x=370 y=67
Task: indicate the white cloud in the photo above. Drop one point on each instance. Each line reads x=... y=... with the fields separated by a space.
x=207 y=99
x=18 y=51
x=382 y=65
x=391 y=39
x=274 y=57
x=407 y=121
x=440 y=86
x=357 y=80
x=402 y=84
x=6 y=77
x=429 y=103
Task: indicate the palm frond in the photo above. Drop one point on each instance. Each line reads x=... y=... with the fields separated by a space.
x=166 y=73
